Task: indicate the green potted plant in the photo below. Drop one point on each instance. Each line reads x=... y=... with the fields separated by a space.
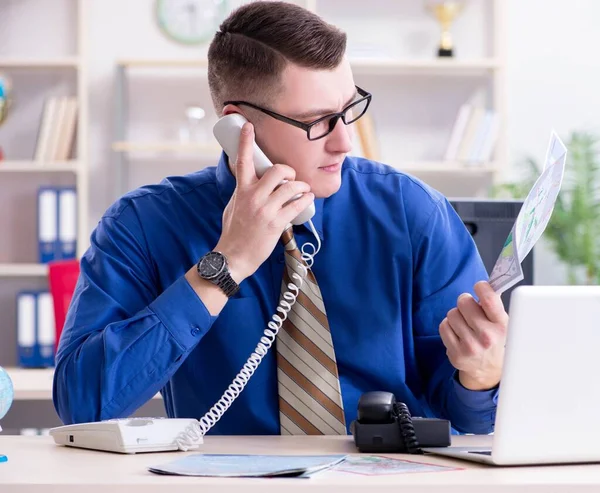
x=574 y=228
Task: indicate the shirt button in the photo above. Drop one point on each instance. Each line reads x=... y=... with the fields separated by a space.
x=195 y=330
x=281 y=258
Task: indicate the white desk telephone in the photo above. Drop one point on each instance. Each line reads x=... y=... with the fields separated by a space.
x=132 y=435
x=127 y=435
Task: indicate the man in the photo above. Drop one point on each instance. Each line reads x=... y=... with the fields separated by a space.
x=390 y=306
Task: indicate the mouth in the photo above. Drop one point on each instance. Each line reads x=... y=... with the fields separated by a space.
x=331 y=168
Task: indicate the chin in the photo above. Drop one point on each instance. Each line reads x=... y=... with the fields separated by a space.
x=326 y=188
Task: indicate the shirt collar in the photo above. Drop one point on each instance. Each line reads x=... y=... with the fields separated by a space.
x=226 y=186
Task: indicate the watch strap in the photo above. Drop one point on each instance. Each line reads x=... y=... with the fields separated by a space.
x=226 y=283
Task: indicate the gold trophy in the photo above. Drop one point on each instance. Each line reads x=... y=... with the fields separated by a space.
x=445 y=11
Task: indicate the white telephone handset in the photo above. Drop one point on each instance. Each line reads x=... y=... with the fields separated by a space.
x=227 y=132
x=127 y=435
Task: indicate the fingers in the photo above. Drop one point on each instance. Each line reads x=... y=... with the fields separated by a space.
x=464 y=333
x=244 y=164
x=448 y=336
x=286 y=192
x=491 y=303
x=484 y=330
x=472 y=312
x=290 y=211
x=273 y=178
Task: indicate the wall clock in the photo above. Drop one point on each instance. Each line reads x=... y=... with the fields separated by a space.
x=190 y=22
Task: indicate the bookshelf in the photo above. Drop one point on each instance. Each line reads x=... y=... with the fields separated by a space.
x=358 y=64
x=40 y=63
x=445 y=167
x=55 y=68
x=31 y=384
x=25 y=166
x=18 y=270
x=201 y=63
x=439 y=66
x=124 y=146
x=34 y=384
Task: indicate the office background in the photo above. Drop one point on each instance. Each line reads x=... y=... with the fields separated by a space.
x=531 y=62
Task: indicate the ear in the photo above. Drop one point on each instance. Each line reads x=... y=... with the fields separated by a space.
x=232 y=108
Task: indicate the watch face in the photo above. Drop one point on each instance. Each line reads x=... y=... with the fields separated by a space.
x=211 y=265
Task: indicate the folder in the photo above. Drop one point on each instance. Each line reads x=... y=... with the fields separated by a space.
x=47 y=223
x=35 y=329
x=62 y=277
x=67 y=223
x=26 y=321
x=46 y=334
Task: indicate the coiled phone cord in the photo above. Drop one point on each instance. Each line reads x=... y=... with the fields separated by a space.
x=194 y=432
x=407 y=429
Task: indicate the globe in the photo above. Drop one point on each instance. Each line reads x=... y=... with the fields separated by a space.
x=7 y=392
x=5 y=96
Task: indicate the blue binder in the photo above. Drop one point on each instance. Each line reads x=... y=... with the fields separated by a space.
x=47 y=209
x=27 y=351
x=36 y=332
x=45 y=333
x=67 y=223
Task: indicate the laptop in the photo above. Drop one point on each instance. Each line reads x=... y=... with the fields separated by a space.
x=549 y=401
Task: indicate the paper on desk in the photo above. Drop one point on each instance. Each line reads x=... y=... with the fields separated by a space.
x=222 y=465
x=532 y=219
x=373 y=465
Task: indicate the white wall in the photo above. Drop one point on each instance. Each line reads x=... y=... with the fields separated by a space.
x=553 y=80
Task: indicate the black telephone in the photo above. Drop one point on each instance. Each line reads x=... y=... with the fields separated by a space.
x=384 y=425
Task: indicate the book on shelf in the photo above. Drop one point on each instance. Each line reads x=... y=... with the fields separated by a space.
x=365 y=142
x=57 y=129
x=473 y=136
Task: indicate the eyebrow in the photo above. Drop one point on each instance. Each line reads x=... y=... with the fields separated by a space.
x=321 y=112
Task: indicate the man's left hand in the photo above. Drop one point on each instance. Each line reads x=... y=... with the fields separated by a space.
x=474 y=335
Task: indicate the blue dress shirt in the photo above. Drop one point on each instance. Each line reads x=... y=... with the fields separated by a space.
x=395 y=257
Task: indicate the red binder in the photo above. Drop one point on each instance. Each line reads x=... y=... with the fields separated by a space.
x=62 y=277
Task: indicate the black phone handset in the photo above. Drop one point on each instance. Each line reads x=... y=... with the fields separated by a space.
x=385 y=425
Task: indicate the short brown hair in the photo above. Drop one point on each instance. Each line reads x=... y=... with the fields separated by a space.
x=256 y=42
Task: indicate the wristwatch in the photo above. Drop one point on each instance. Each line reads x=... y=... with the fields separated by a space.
x=214 y=268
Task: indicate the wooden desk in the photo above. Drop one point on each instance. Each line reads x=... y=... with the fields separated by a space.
x=36 y=464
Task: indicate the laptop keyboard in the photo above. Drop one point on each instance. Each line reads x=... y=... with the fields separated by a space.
x=481 y=452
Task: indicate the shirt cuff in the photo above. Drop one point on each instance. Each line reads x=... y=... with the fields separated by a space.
x=475 y=399
x=183 y=313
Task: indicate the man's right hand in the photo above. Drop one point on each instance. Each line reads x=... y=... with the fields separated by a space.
x=258 y=212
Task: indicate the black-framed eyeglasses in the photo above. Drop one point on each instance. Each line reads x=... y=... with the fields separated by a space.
x=322 y=126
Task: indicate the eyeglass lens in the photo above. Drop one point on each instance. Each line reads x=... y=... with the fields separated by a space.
x=322 y=128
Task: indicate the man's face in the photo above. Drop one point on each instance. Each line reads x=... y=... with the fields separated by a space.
x=307 y=95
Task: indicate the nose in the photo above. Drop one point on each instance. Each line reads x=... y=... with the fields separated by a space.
x=339 y=141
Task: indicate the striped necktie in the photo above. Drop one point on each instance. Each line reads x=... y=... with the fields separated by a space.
x=310 y=399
